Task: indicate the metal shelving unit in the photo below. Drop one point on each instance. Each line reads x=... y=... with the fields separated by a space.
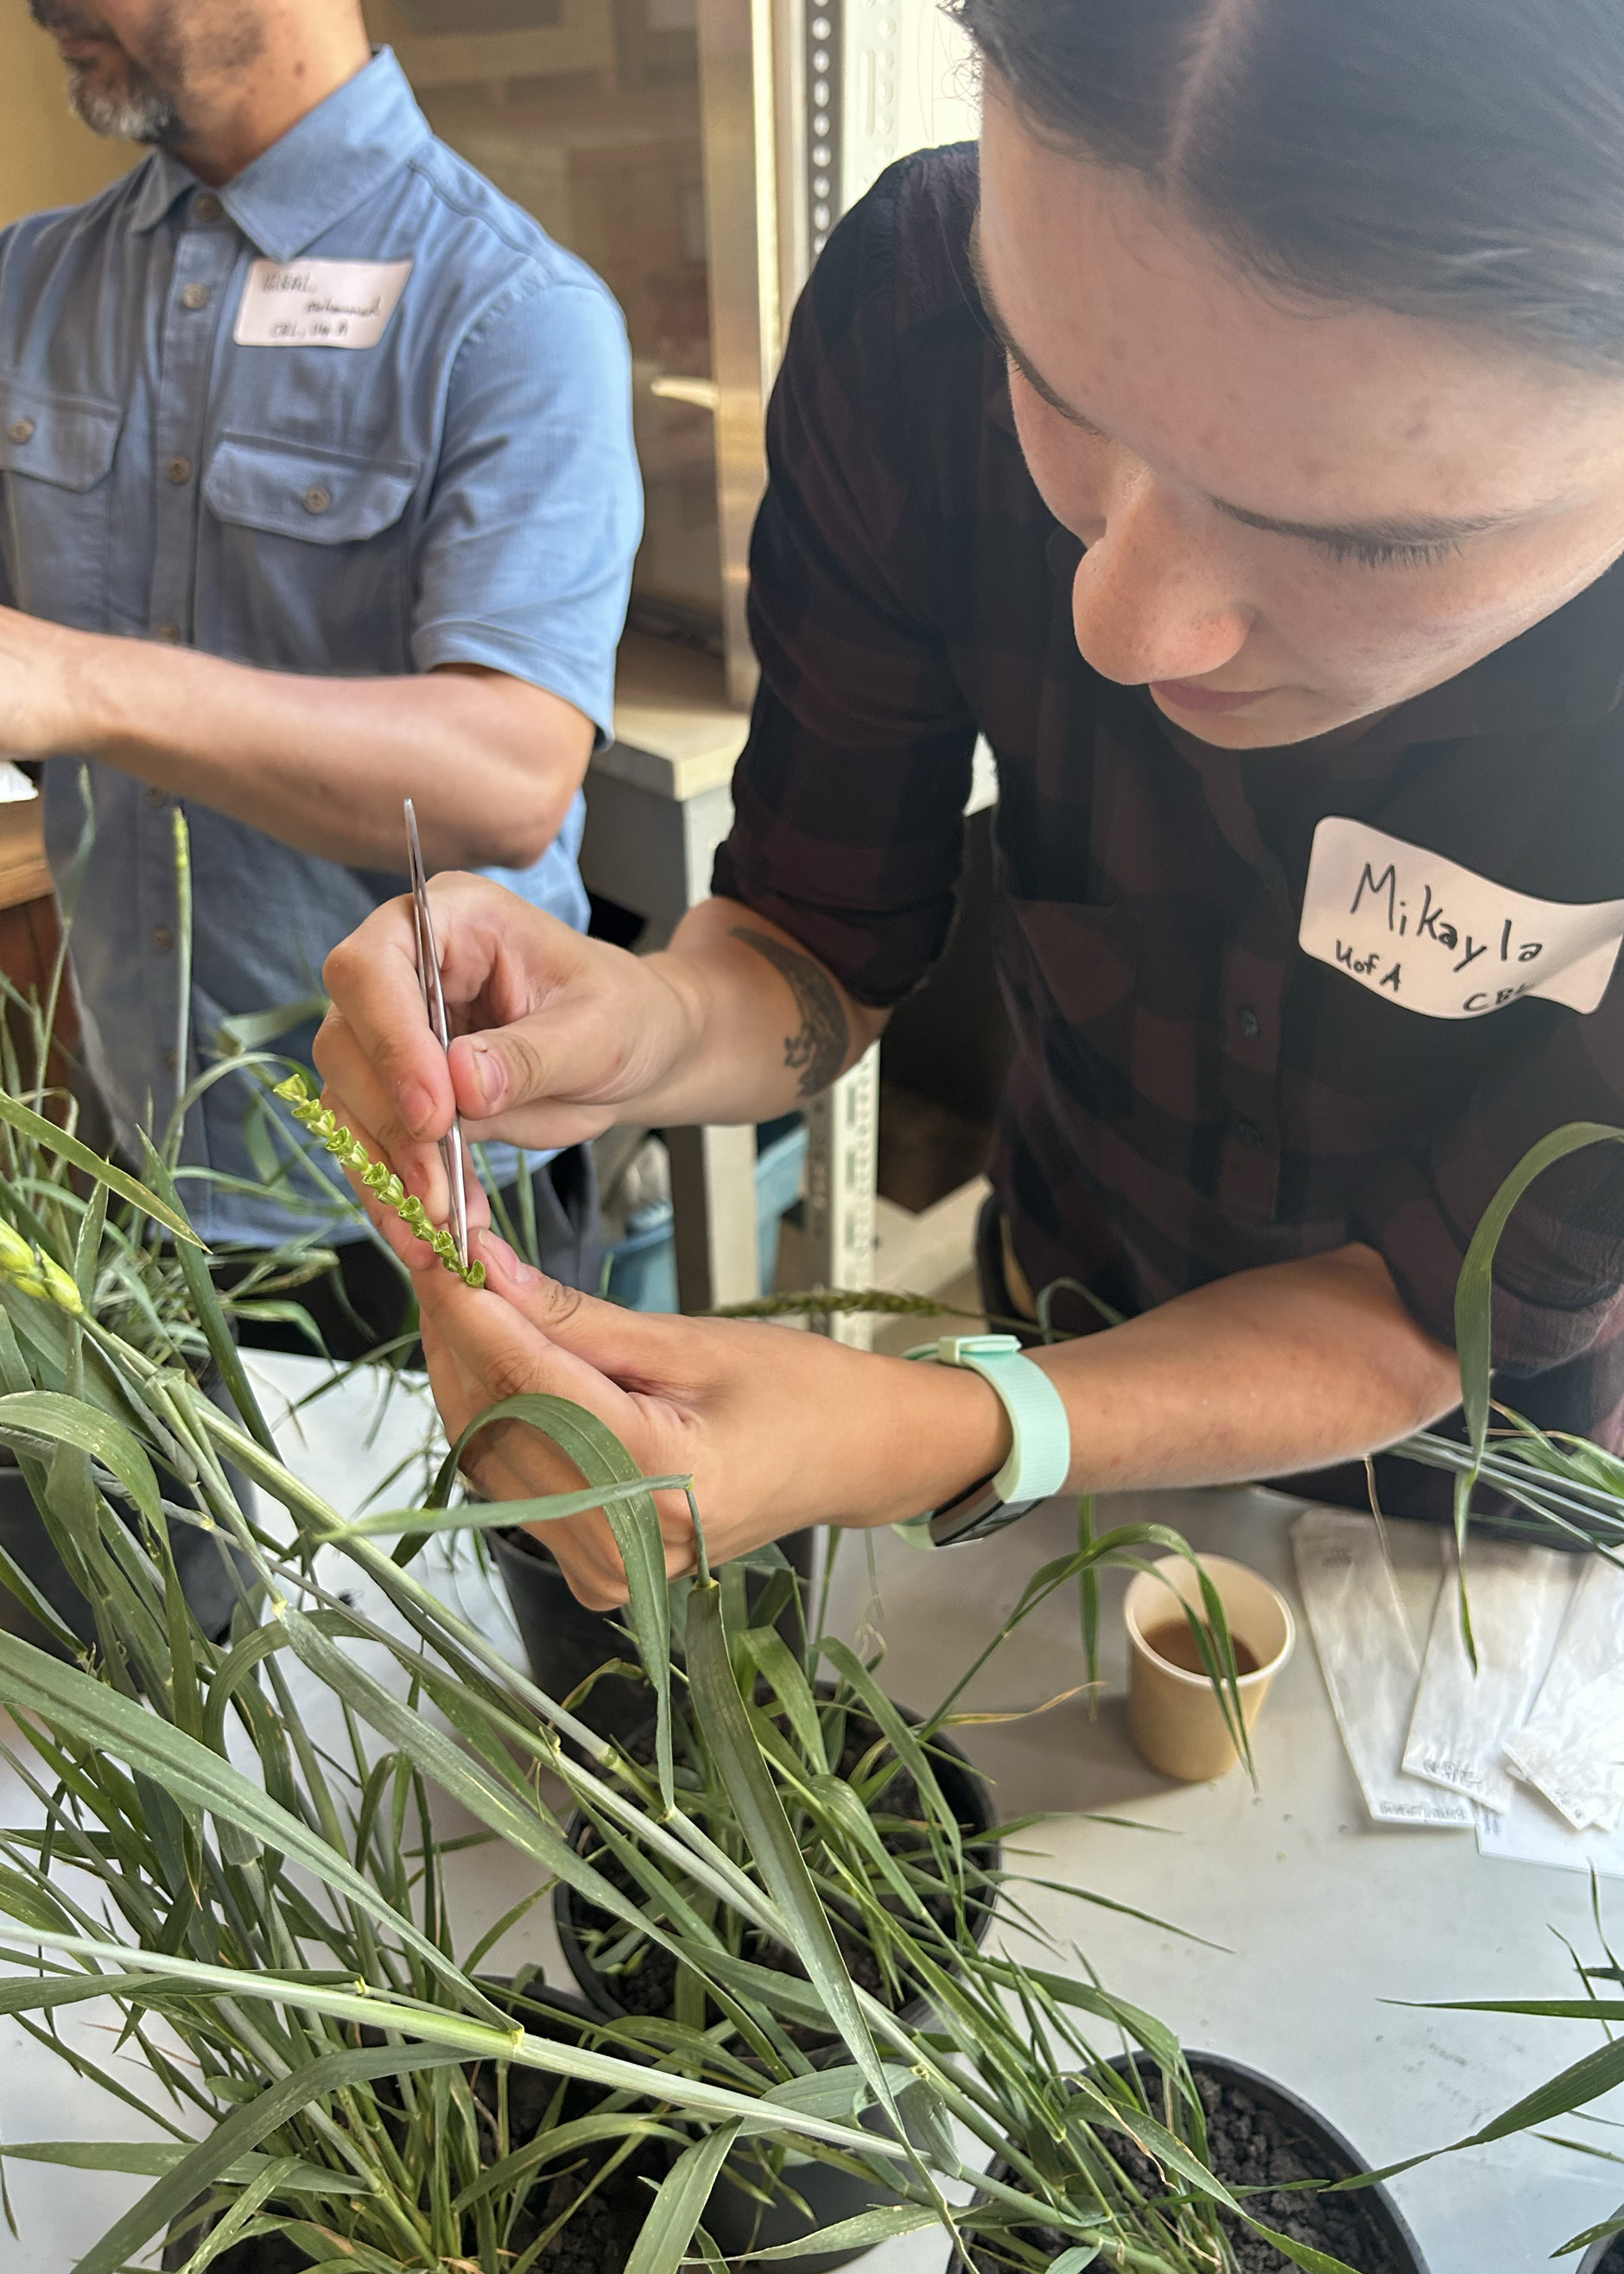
x=697 y=154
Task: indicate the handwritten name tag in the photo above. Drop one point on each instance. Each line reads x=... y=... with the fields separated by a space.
x=1425 y=932
x=318 y=304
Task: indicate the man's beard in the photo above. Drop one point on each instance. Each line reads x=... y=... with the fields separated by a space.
x=139 y=109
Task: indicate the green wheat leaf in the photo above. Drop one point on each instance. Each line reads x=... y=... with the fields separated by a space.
x=201 y=2166
x=45 y=1133
x=152 y=2159
x=773 y=1659
x=487 y=1514
x=760 y=1812
x=182 y=1767
x=678 y=2201
x=63 y=1420
x=869 y=2227
x=603 y=1460
x=1474 y=1292
x=903 y=1741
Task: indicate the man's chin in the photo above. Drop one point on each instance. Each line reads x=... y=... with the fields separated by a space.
x=125 y=112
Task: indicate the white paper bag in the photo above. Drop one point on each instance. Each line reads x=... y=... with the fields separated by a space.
x=1518 y=1596
x=1571 y=1748
x=1370 y=1662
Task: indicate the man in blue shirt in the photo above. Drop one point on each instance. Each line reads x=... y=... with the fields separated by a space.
x=317 y=491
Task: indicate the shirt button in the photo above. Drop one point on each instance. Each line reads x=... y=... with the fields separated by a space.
x=171 y=632
x=21 y=430
x=162 y=939
x=208 y=206
x=179 y=469
x=194 y=295
x=317 y=500
x=1249 y=1134
x=1251 y=1025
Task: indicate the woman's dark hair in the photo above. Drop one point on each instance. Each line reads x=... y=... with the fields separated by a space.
x=1461 y=160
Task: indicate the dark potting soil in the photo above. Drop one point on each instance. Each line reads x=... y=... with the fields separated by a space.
x=649 y=1988
x=262 y=2253
x=598 y=2239
x=1613 y=2257
x=1252 y=2145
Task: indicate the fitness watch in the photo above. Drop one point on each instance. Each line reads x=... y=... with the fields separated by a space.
x=1038 y=1458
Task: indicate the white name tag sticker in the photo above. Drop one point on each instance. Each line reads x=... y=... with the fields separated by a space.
x=318 y=304
x=1425 y=933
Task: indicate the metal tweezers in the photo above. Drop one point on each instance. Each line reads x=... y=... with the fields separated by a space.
x=434 y=1003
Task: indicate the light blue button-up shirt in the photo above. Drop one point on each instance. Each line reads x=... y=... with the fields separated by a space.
x=464 y=491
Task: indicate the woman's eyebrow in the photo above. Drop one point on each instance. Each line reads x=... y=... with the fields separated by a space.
x=1417 y=529
x=1012 y=347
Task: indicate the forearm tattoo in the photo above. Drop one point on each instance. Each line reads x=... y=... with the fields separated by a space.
x=817 y=1049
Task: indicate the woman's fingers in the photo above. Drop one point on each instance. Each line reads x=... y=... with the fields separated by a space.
x=376 y=1045
x=501 y=1349
x=481 y=1350
x=551 y=1028
x=655 y=1351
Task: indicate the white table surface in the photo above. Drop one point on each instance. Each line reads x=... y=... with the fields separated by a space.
x=1322 y=1916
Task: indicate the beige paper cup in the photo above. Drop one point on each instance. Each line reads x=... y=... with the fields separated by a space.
x=1176 y=1721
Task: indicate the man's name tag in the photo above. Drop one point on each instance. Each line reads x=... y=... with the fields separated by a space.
x=318 y=304
x=1426 y=933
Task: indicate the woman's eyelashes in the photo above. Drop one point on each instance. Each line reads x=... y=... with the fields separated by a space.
x=1386 y=553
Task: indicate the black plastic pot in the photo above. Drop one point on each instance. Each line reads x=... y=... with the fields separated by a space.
x=1322 y=2140
x=741 y=2225
x=625 y=2199
x=736 y=2221
x=206 y=1582
x=1607 y=2255
x=565 y=1642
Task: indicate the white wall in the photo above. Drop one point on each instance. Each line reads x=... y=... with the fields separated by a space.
x=909 y=85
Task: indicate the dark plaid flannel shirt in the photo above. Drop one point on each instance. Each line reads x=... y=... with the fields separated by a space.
x=1191 y=1095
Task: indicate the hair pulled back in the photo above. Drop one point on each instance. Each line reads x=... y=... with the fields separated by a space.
x=1457 y=160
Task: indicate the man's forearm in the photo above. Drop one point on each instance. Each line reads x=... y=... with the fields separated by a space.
x=767 y=1026
x=323 y=764
x=1270 y=1372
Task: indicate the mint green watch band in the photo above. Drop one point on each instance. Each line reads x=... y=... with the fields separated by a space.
x=1042 y=1451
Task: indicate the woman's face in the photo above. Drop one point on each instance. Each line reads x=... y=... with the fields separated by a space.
x=1296 y=516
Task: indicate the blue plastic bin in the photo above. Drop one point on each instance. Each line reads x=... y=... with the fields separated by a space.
x=642 y=1267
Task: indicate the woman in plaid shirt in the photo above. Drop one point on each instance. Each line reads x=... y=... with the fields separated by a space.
x=1237 y=442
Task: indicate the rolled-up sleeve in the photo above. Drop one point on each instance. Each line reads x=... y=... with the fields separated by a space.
x=526 y=554
x=849 y=797
x=1559 y=1271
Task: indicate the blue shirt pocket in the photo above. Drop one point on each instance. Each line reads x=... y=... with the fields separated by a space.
x=55 y=457
x=307 y=544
